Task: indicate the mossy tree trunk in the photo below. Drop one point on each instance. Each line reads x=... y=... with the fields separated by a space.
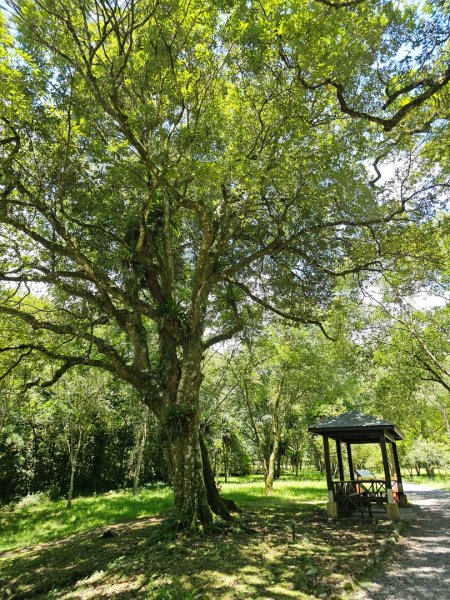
x=191 y=498
x=195 y=492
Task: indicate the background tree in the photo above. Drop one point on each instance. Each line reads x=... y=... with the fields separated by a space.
x=81 y=401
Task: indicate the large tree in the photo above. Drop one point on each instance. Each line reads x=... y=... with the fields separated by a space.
x=169 y=165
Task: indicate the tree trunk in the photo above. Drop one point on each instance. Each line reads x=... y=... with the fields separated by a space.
x=271 y=467
x=195 y=491
x=98 y=456
x=70 y=492
x=191 y=500
x=278 y=469
x=430 y=472
x=196 y=496
x=220 y=506
x=225 y=463
x=444 y=413
x=140 y=447
x=73 y=456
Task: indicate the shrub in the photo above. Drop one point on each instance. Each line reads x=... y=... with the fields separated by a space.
x=33 y=500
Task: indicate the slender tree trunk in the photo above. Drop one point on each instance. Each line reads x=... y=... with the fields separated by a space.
x=271 y=466
x=278 y=468
x=98 y=457
x=276 y=436
x=73 y=457
x=140 y=447
x=259 y=443
x=444 y=413
x=225 y=462
x=70 y=492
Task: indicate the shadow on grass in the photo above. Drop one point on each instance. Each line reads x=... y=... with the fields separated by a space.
x=26 y=574
x=282 y=551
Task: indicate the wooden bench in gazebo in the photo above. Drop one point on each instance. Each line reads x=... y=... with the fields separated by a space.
x=361 y=494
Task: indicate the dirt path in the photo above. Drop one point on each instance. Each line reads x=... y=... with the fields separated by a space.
x=420 y=567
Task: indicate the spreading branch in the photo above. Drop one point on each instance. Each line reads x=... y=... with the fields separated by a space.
x=291 y=317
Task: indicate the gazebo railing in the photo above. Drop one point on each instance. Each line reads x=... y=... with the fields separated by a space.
x=360 y=495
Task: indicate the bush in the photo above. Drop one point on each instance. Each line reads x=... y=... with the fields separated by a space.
x=33 y=500
x=54 y=492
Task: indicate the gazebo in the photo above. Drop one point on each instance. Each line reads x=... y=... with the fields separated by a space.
x=346 y=496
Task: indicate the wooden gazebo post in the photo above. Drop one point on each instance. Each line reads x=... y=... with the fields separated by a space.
x=350 y=462
x=339 y=459
x=331 y=504
x=402 y=501
x=391 y=506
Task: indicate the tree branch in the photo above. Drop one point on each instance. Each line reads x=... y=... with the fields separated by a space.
x=285 y=315
x=343 y=4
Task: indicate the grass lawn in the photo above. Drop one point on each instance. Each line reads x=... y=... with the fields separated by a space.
x=440 y=481
x=36 y=523
x=279 y=547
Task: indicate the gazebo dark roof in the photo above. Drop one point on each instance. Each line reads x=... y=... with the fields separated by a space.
x=356 y=427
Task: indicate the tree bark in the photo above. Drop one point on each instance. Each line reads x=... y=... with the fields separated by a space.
x=220 y=506
x=73 y=456
x=195 y=491
x=141 y=438
x=275 y=437
x=278 y=468
x=271 y=466
x=191 y=499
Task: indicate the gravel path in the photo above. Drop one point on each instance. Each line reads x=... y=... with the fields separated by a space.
x=420 y=567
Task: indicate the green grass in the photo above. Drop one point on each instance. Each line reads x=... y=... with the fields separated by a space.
x=36 y=523
x=440 y=481
x=31 y=524
x=249 y=492
x=281 y=546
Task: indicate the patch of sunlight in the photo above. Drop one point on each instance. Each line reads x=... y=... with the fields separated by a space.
x=281 y=591
x=284 y=490
x=253 y=575
x=268 y=552
x=107 y=590
x=219 y=578
x=242 y=590
x=94 y=578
